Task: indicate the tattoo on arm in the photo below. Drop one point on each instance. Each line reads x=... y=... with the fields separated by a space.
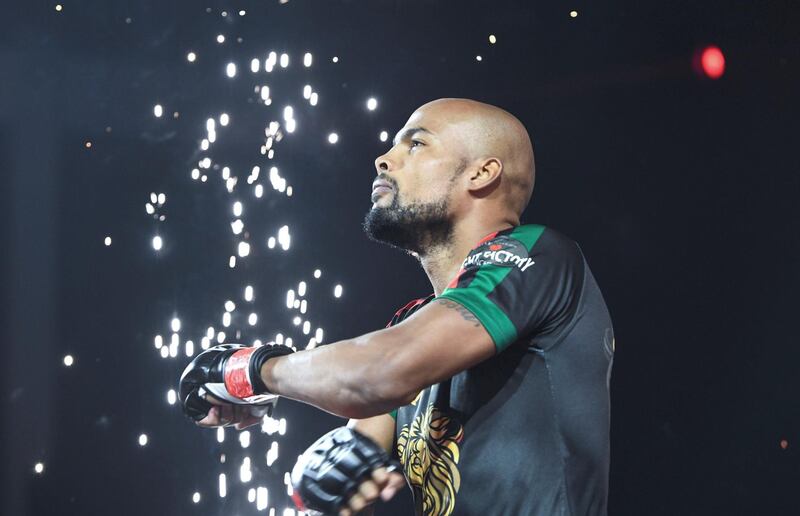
x=466 y=314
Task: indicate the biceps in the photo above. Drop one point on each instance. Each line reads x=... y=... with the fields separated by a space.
x=378 y=428
x=441 y=340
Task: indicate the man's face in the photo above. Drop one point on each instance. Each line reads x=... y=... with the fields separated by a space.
x=413 y=193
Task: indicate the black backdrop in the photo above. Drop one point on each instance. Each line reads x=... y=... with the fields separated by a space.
x=680 y=190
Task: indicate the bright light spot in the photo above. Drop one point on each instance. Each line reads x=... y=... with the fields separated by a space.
x=478 y=58
x=272 y=453
x=333 y=138
x=307 y=91
x=573 y=14
x=171 y=397
x=337 y=291
x=38 y=467
x=492 y=39
x=224 y=119
x=205 y=342
x=289 y=191
x=58 y=8
x=195 y=174
x=164 y=351
x=306 y=328
x=297 y=320
x=223 y=485
x=107 y=241
x=191 y=57
x=232 y=261
x=245 y=474
x=335 y=59
x=284 y=60
x=230 y=70
x=271 y=242
x=248 y=293
x=290 y=298
x=318 y=335
x=307 y=58
x=712 y=61
x=158 y=110
x=262 y=498
x=255 y=65
x=175 y=324
x=68 y=360
x=384 y=136
x=237 y=226
x=244 y=438
x=317 y=273
x=284 y=238
x=259 y=191
x=220 y=38
x=252 y=319
x=221 y=337
x=372 y=103
x=301 y=289
x=196 y=497
x=314 y=99
x=242 y=12
x=244 y=249
x=264 y=92
x=189 y=348
x=226 y=319
x=230 y=306
x=157 y=243
x=159 y=341
x=291 y=125
x=143 y=440
x=237 y=209
x=220 y=434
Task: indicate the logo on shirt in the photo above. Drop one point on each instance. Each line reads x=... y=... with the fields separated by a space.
x=429 y=449
x=502 y=251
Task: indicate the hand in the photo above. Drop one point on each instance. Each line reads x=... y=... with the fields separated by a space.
x=225 y=414
x=383 y=483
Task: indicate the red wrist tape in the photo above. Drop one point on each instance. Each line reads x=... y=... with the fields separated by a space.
x=237 y=374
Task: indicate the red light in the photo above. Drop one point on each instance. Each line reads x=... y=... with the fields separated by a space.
x=712 y=61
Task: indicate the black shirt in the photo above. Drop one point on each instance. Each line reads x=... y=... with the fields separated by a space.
x=526 y=431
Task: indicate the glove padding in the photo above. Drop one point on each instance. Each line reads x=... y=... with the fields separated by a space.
x=331 y=469
x=230 y=372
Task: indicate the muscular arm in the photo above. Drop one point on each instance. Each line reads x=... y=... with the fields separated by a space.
x=377 y=372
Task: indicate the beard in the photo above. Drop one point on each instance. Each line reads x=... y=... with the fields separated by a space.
x=416 y=227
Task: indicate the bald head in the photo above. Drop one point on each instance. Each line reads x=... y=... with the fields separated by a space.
x=485 y=131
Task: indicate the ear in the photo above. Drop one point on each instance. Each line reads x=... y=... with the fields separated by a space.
x=486 y=174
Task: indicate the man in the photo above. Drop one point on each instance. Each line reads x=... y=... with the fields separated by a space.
x=493 y=390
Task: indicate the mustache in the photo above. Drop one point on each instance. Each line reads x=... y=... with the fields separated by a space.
x=384 y=177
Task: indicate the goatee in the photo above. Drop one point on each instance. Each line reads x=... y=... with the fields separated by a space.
x=416 y=227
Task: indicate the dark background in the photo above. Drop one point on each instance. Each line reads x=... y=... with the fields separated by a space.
x=681 y=191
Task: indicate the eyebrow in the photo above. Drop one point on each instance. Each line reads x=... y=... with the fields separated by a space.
x=408 y=133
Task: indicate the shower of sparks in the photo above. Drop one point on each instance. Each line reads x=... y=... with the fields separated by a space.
x=245 y=190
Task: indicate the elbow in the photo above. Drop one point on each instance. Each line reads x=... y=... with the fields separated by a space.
x=386 y=392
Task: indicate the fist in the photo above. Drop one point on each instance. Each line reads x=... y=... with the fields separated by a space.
x=229 y=372
x=383 y=484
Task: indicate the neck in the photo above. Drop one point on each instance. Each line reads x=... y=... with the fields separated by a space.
x=442 y=262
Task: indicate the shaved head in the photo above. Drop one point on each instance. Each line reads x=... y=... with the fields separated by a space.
x=487 y=131
x=455 y=164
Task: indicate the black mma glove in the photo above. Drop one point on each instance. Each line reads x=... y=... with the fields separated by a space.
x=331 y=469
x=230 y=372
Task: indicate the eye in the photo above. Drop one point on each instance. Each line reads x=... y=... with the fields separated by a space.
x=415 y=143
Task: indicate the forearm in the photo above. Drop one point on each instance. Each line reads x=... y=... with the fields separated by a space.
x=350 y=378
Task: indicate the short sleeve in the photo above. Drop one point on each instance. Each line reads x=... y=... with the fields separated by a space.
x=520 y=282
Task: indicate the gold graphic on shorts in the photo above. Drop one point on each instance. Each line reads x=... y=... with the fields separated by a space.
x=429 y=452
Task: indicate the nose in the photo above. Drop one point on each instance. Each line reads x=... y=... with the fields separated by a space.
x=382 y=164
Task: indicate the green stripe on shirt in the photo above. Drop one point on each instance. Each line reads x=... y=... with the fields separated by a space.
x=474 y=297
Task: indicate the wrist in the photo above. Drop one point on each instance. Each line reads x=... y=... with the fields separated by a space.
x=267 y=374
